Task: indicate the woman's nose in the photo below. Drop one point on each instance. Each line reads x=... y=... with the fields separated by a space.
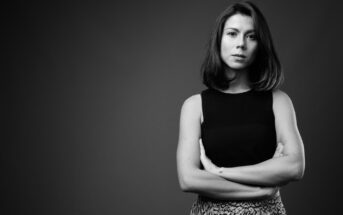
x=241 y=43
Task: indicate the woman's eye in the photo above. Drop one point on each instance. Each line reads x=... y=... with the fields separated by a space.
x=231 y=33
x=252 y=36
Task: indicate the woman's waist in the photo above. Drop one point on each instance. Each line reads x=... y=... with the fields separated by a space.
x=257 y=202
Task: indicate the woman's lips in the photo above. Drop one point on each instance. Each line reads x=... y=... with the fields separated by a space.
x=239 y=56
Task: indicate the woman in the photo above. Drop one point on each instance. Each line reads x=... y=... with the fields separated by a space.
x=239 y=140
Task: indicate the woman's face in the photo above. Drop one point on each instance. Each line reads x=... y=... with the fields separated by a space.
x=239 y=44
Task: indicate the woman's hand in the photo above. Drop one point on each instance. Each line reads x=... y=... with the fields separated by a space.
x=278 y=151
x=206 y=162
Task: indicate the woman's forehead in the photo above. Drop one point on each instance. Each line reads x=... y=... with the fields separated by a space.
x=239 y=22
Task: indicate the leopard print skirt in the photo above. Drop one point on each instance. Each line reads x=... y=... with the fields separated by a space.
x=206 y=206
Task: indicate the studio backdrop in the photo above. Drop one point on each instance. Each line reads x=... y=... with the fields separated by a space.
x=93 y=92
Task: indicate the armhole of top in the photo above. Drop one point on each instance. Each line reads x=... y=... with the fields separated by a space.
x=271 y=103
x=273 y=112
x=272 y=100
x=201 y=110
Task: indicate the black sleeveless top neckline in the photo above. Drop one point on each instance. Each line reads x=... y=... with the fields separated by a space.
x=233 y=94
x=238 y=128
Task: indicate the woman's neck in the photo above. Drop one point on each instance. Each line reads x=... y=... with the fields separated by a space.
x=240 y=82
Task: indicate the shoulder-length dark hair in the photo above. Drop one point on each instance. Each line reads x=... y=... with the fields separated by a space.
x=264 y=73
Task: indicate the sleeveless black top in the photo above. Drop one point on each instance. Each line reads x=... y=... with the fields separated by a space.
x=238 y=129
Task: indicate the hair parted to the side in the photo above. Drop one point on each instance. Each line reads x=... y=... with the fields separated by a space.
x=264 y=73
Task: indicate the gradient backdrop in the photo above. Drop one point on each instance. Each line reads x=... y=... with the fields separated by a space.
x=93 y=91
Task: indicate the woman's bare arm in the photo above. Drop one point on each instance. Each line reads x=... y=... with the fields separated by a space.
x=278 y=170
x=191 y=177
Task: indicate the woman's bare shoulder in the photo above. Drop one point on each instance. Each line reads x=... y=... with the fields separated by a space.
x=192 y=105
x=282 y=104
x=281 y=98
x=193 y=100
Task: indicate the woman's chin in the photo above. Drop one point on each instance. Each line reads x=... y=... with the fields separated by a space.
x=238 y=65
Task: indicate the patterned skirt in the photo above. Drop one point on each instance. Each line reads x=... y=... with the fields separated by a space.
x=206 y=206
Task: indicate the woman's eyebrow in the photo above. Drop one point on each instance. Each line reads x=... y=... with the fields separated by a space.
x=236 y=29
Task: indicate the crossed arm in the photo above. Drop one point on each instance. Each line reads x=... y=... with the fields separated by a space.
x=286 y=165
x=195 y=180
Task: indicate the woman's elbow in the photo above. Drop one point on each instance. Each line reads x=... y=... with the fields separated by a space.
x=183 y=183
x=185 y=187
x=186 y=183
x=298 y=171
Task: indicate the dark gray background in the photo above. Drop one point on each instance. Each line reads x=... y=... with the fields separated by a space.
x=93 y=92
